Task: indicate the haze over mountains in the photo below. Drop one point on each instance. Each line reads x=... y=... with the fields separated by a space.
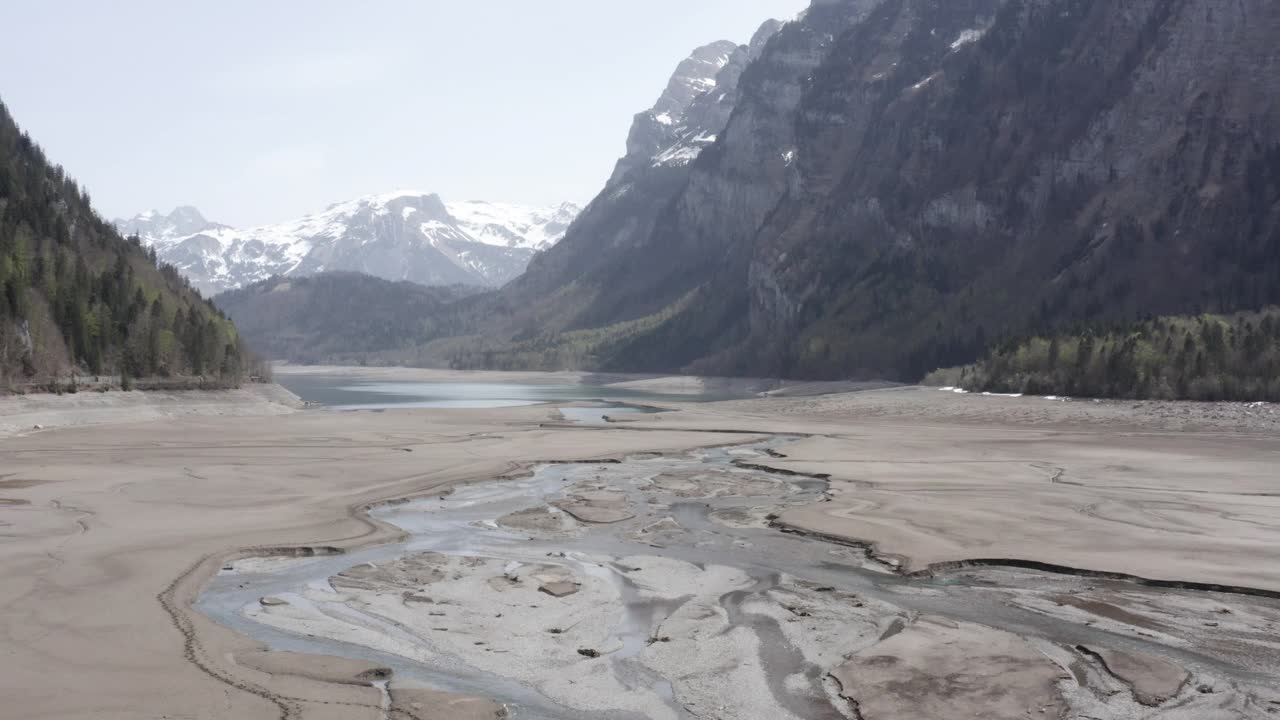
x=396 y=236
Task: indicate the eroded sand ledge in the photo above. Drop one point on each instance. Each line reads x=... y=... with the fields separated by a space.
x=268 y=483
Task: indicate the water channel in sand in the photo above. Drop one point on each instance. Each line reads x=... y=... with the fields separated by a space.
x=686 y=603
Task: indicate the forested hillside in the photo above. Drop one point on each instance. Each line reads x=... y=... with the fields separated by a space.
x=341 y=317
x=77 y=299
x=1207 y=357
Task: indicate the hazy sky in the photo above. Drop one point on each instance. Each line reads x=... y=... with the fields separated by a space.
x=257 y=112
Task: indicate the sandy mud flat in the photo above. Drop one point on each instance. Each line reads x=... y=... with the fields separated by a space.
x=876 y=555
x=661 y=588
x=24 y=414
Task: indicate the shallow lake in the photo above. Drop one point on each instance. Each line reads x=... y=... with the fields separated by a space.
x=351 y=393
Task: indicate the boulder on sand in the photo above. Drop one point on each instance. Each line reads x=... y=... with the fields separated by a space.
x=559 y=589
x=1154 y=680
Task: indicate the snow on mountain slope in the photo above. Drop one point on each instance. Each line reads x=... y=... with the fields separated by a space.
x=693 y=109
x=514 y=225
x=398 y=236
x=158 y=228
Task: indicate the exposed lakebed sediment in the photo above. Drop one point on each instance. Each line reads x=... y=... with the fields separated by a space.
x=656 y=587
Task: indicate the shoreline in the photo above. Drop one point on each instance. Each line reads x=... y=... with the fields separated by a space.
x=25 y=414
x=644 y=382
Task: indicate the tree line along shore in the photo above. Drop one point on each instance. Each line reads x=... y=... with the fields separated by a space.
x=1209 y=357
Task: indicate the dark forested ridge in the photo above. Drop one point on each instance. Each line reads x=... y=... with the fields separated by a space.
x=77 y=299
x=1206 y=357
x=342 y=317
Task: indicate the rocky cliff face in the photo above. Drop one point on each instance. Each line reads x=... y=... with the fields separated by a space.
x=902 y=181
x=971 y=168
x=614 y=231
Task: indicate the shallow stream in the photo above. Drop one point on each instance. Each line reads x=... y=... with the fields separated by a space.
x=706 y=509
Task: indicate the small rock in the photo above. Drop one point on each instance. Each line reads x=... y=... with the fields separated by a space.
x=559 y=589
x=589 y=652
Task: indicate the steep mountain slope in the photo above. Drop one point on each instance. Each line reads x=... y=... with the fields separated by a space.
x=398 y=236
x=561 y=289
x=339 y=317
x=76 y=298
x=902 y=181
x=1023 y=164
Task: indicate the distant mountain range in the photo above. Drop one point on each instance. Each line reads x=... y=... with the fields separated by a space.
x=397 y=236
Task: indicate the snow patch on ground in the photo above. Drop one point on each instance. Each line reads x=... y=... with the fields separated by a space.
x=967 y=37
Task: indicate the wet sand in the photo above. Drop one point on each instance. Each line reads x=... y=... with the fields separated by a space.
x=124 y=525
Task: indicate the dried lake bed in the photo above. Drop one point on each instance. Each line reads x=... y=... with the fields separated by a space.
x=886 y=554
x=660 y=587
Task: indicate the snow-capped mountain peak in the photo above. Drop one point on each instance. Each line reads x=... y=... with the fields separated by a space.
x=694 y=107
x=402 y=235
x=161 y=230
